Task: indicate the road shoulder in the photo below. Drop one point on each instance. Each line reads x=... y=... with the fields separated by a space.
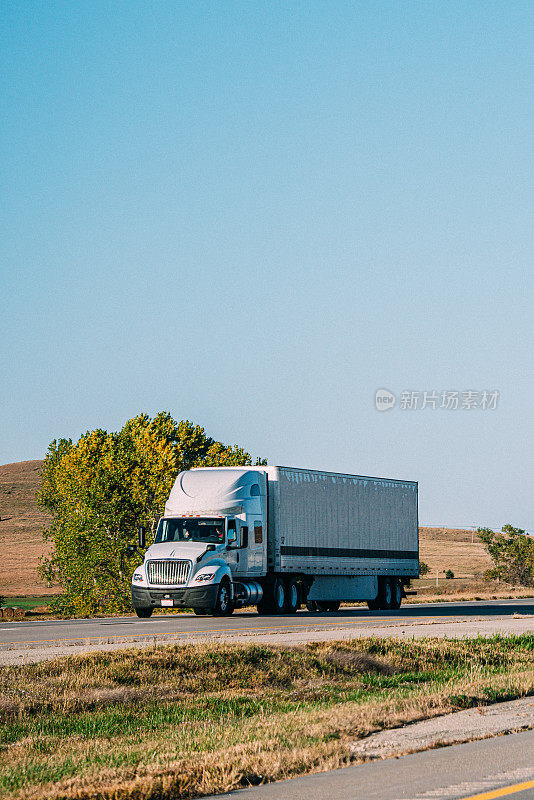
x=461 y=726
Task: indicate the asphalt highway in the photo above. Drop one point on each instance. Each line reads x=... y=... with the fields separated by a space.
x=482 y=770
x=466 y=618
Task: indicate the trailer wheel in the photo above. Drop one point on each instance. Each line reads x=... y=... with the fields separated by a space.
x=144 y=613
x=397 y=593
x=384 y=599
x=387 y=594
x=311 y=605
x=292 y=596
x=223 y=606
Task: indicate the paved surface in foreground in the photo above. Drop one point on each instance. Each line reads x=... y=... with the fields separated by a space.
x=486 y=769
x=28 y=640
x=462 y=726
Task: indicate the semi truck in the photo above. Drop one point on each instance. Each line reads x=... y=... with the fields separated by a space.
x=279 y=538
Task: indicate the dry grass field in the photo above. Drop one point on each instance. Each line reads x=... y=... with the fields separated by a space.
x=451 y=548
x=21 y=523
x=21 y=545
x=461 y=552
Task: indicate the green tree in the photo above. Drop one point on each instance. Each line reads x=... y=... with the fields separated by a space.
x=512 y=552
x=101 y=488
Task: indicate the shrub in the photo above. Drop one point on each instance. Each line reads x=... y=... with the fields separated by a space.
x=424 y=569
x=512 y=552
x=449 y=574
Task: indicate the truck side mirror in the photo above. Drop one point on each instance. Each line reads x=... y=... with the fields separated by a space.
x=141 y=537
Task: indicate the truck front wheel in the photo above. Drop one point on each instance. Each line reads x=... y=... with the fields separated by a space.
x=224 y=606
x=144 y=613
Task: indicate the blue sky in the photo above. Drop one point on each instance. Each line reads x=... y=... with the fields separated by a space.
x=253 y=215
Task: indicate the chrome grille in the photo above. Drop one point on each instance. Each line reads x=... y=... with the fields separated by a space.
x=168 y=573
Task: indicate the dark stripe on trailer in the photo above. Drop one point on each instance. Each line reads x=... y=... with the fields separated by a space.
x=347 y=552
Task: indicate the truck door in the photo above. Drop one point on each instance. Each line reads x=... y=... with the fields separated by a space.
x=232 y=552
x=256 y=546
x=237 y=547
x=242 y=552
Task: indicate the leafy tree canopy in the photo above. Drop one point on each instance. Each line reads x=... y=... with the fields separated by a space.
x=512 y=552
x=101 y=488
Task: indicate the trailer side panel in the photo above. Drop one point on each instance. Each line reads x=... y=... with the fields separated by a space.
x=326 y=523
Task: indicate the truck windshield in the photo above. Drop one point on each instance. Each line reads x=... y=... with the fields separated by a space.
x=190 y=530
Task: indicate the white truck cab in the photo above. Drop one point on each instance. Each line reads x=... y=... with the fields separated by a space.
x=209 y=546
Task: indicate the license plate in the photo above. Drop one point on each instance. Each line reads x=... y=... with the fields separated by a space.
x=168 y=603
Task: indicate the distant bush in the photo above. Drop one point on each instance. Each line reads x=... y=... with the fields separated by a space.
x=449 y=574
x=424 y=569
x=512 y=552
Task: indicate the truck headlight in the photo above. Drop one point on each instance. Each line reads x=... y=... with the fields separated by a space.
x=205 y=576
x=137 y=577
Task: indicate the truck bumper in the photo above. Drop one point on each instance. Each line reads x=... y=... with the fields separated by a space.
x=197 y=597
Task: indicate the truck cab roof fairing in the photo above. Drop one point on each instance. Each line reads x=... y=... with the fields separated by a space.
x=209 y=491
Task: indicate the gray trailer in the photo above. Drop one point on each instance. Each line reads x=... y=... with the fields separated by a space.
x=280 y=537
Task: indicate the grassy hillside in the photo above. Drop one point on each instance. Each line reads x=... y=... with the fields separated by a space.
x=461 y=552
x=451 y=548
x=21 y=523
